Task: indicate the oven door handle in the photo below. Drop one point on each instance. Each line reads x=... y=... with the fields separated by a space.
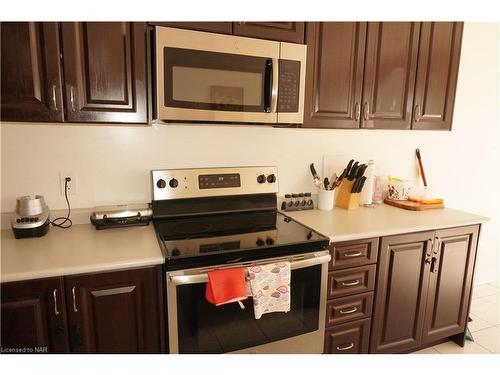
x=203 y=277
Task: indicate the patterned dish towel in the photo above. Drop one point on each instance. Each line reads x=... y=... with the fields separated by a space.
x=270 y=287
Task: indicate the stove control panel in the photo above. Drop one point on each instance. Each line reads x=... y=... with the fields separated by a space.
x=207 y=182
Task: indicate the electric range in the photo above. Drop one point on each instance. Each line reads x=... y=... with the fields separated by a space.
x=214 y=218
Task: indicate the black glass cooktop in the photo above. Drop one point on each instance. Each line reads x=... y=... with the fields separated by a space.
x=228 y=238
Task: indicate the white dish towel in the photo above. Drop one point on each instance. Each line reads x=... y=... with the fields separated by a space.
x=270 y=287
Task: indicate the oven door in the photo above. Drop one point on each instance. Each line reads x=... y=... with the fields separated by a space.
x=211 y=77
x=197 y=326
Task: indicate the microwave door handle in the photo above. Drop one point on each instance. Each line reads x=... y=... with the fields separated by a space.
x=274 y=90
x=268 y=85
x=203 y=277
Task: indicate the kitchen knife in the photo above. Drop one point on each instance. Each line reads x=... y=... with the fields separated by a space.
x=361 y=170
x=348 y=168
x=361 y=184
x=354 y=186
x=353 y=171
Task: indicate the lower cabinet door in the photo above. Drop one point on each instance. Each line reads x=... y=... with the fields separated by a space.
x=348 y=338
x=401 y=292
x=450 y=282
x=116 y=312
x=33 y=317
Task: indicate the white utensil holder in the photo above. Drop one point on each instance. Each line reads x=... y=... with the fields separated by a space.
x=325 y=199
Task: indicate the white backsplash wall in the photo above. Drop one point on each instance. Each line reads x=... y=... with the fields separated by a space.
x=112 y=163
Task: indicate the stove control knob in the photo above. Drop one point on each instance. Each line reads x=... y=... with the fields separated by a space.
x=260 y=242
x=161 y=183
x=271 y=178
x=173 y=183
x=176 y=252
x=269 y=241
x=261 y=179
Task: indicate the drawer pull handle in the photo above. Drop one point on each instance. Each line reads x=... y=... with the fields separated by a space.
x=353 y=254
x=350 y=311
x=350 y=283
x=345 y=347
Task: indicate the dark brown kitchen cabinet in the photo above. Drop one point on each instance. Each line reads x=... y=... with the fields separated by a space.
x=334 y=77
x=33 y=317
x=105 y=71
x=348 y=338
x=212 y=27
x=401 y=292
x=450 y=282
x=31 y=72
x=292 y=32
x=437 y=72
x=115 y=312
x=389 y=74
x=353 y=253
x=423 y=288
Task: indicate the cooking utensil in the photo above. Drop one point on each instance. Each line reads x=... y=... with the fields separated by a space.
x=326 y=183
x=316 y=180
x=421 y=166
x=333 y=180
x=348 y=168
x=361 y=170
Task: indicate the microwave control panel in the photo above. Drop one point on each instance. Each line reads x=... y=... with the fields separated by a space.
x=288 y=86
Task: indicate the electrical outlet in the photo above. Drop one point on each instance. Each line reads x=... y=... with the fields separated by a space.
x=71 y=185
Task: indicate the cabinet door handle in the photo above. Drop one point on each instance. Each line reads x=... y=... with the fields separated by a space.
x=428 y=251
x=73 y=291
x=54 y=98
x=434 y=265
x=350 y=283
x=346 y=347
x=437 y=245
x=416 y=116
x=353 y=254
x=357 y=111
x=54 y=294
x=350 y=311
x=366 y=111
x=72 y=97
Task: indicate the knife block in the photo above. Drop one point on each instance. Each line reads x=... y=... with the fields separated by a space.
x=346 y=199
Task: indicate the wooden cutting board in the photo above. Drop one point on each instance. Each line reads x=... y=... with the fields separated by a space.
x=413 y=206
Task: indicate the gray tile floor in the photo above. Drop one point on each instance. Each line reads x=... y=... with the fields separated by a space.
x=485 y=327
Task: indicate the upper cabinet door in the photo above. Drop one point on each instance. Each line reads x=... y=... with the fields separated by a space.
x=292 y=32
x=115 y=312
x=31 y=75
x=390 y=67
x=212 y=27
x=105 y=71
x=438 y=60
x=450 y=282
x=34 y=316
x=334 y=78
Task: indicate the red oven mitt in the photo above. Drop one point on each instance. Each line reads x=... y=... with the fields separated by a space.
x=225 y=286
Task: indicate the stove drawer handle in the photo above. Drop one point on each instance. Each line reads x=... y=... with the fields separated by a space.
x=353 y=254
x=203 y=277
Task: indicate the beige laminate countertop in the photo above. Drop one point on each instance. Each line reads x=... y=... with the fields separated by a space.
x=383 y=220
x=79 y=249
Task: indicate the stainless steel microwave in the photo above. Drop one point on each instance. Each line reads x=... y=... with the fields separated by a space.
x=223 y=78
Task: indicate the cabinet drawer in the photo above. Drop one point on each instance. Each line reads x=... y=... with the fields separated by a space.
x=348 y=338
x=353 y=253
x=346 y=309
x=351 y=281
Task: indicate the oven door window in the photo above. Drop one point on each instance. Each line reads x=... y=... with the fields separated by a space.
x=205 y=328
x=216 y=81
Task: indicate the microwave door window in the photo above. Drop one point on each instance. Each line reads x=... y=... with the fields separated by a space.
x=214 y=81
